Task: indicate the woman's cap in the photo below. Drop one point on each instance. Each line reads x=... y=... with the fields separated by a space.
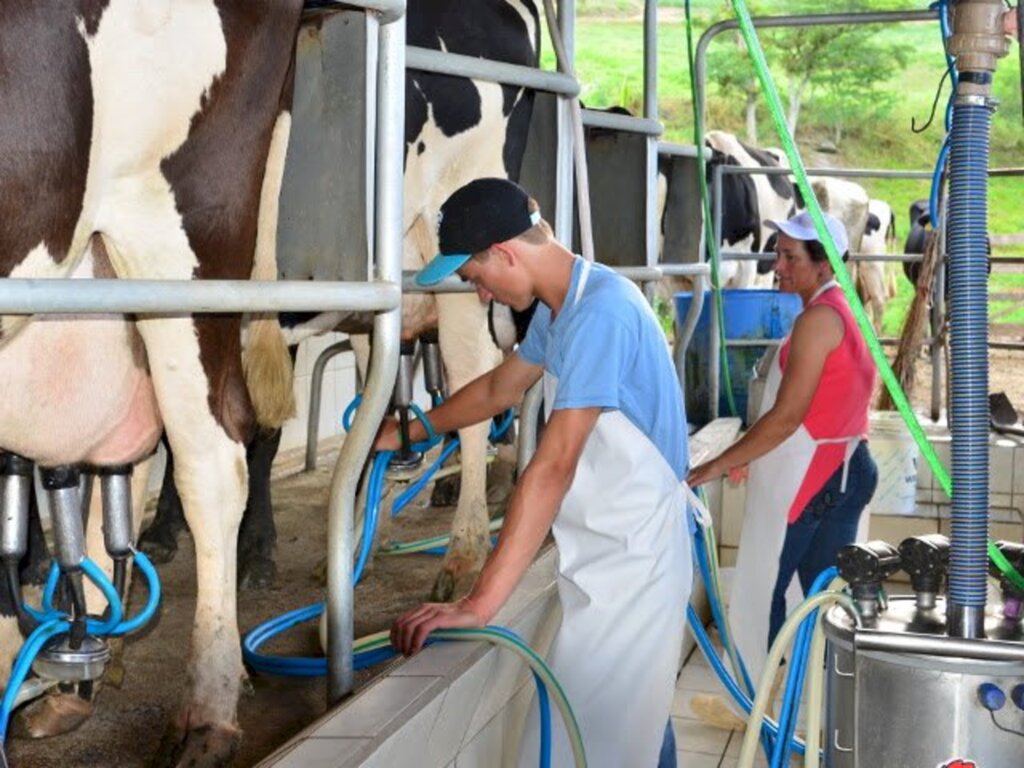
x=801 y=227
x=472 y=219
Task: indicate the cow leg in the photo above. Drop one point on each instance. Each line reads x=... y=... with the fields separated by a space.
x=258 y=535
x=160 y=539
x=468 y=352
x=198 y=381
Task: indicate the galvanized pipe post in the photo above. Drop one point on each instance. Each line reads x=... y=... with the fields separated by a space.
x=388 y=180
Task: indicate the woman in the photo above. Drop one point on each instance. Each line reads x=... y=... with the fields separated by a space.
x=810 y=473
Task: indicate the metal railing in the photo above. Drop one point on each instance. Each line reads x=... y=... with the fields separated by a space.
x=938 y=314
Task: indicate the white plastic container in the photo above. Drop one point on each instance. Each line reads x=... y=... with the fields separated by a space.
x=896 y=454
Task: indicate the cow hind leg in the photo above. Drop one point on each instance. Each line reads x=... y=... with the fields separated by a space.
x=256 y=539
x=202 y=399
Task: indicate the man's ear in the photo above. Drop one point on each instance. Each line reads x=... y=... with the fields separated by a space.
x=507 y=252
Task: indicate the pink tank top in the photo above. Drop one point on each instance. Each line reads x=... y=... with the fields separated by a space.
x=840 y=404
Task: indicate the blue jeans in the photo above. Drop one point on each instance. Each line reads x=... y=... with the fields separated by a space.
x=827 y=524
x=667 y=758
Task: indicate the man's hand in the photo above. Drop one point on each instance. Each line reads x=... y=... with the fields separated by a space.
x=411 y=628
x=388 y=436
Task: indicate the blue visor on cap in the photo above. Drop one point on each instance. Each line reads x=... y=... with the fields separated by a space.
x=442 y=266
x=445 y=264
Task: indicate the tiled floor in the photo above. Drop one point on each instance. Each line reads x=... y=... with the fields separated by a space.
x=700 y=745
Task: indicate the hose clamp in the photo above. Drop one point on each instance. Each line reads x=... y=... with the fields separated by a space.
x=975 y=100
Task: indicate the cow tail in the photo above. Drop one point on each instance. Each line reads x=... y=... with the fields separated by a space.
x=265 y=359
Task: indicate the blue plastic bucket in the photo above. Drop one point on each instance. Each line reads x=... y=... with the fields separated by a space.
x=749 y=314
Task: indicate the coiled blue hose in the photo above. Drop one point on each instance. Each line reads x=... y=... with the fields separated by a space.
x=968 y=284
x=53 y=623
x=298 y=666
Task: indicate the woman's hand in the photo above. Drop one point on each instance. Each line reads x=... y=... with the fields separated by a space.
x=739 y=474
x=411 y=629
x=703 y=473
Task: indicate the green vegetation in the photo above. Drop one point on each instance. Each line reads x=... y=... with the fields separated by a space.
x=863 y=119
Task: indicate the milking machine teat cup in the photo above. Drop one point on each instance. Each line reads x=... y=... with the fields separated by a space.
x=64 y=642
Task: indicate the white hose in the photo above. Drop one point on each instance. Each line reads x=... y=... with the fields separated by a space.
x=764 y=686
x=579 y=148
x=816 y=686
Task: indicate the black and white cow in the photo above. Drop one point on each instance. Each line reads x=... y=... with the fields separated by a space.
x=748 y=202
x=456 y=130
x=145 y=140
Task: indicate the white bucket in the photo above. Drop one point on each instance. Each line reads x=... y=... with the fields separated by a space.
x=896 y=454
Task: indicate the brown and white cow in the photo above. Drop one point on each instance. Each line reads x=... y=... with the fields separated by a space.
x=144 y=140
x=455 y=130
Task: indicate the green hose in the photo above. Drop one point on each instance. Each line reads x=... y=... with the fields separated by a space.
x=709 y=240
x=835 y=259
x=509 y=642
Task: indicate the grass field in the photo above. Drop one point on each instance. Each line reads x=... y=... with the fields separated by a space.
x=609 y=62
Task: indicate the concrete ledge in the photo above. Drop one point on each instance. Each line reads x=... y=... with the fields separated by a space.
x=467 y=699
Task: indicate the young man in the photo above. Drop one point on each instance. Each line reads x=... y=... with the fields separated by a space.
x=607 y=477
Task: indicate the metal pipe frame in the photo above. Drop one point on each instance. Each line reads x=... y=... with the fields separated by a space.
x=315 y=392
x=671 y=148
x=812 y=20
x=445 y=63
x=387 y=10
x=853 y=173
x=938 y=645
x=35 y=296
x=388 y=188
x=714 y=343
x=595 y=118
x=651 y=59
x=748 y=256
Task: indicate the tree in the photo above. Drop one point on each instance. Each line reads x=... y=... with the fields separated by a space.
x=842 y=64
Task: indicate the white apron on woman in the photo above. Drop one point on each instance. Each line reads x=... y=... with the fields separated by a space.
x=624 y=581
x=772 y=485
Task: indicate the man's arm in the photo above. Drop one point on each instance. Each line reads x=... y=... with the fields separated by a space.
x=484 y=397
x=533 y=507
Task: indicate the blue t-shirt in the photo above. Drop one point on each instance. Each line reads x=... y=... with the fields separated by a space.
x=607 y=350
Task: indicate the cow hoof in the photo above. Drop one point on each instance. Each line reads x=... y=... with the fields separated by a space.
x=36 y=572
x=450 y=585
x=319 y=572
x=113 y=675
x=444 y=588
x=54 y=715
x=159 y=544
x=446 y=492
x=210 y=746
x=257 y=573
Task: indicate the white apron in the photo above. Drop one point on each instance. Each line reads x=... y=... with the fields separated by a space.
x=772 y=485
x=625 y=573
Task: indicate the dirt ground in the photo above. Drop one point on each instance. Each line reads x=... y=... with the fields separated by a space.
x=1006 y=374
x=128 y=723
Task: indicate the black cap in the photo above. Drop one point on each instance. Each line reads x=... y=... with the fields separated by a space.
x=475 y=217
